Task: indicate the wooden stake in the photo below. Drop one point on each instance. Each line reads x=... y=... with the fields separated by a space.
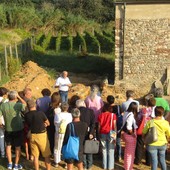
x=6 y=61
x=16 y=51
x=10 y=51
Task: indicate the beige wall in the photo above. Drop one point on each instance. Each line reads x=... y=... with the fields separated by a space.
x=155 y=11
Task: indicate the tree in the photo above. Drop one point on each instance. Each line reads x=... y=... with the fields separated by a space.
x=3 y=21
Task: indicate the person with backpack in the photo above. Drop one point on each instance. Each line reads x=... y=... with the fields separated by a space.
x=117 y=110
x=60 y=121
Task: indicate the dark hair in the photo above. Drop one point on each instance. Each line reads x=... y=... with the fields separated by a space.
x=73 y=100
x=55 y=100
x=3 y=91
x=46 y=92
x=151 y=102
x=107 y=107
x=129 y=93
x=110 y=99
x=159 y=111
x=133 y=107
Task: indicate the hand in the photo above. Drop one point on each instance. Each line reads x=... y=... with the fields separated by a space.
x=134 y=135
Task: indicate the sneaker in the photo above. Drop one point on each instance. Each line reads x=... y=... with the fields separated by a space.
x=3 y=156
x=55 y=164
x=16 y=167
x=65 y=166
x=9 y=166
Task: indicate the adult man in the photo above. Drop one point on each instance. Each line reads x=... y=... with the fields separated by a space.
x=129 y=96
x=44 y=102
x=161 y=101
x=87 y=115
x=37 y=122
x=63 y=83
x=11 y=112
x=27 y=92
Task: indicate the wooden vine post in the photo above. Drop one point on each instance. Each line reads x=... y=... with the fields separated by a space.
x=6 y=61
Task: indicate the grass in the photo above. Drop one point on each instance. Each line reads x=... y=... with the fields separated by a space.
x=101 y=65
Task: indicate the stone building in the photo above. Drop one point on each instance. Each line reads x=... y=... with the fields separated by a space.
x=142 y=41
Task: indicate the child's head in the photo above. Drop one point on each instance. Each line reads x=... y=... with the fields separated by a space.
x=110 y=99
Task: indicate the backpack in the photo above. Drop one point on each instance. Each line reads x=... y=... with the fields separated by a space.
x=62 y=127
x=119 y=118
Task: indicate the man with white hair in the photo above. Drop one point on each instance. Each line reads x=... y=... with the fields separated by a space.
x=129 y=99
x=87 y=115
x=11 y=112
x=63 y=83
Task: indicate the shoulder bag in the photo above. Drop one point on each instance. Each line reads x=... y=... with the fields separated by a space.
x=112 y=133
x=152 y=134
x=91 y=146
x=71 y=149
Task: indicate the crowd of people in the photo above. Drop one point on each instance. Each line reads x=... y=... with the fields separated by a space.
x=42 y=127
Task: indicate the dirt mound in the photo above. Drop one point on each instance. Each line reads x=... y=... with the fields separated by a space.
x=36 y=78
x=32 y=76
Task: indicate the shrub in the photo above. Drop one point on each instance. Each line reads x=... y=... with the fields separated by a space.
x=80 y=41
x=93 y=44
x=64 y=43
x=46 y=41
x=3 y=21
x=107 y=44
x=39 y=38
x=58 y=42
x=13 y=65
x=70 y=45
x=38 y=48
x=109 y=34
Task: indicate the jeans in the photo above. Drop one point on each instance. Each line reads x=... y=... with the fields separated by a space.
x=64 y=96
x=87 y=160
x=57 y=147
x=107 y=152
x=2 y=146
x=139 y=149
x=155 y=153
x=118 y=148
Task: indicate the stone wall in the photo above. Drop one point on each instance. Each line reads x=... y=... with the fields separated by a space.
x=146 y=43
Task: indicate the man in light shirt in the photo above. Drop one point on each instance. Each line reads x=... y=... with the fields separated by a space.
x=129 y=96
x=63 y=83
